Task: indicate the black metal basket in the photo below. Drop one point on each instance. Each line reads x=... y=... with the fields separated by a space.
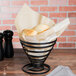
x=37 y=54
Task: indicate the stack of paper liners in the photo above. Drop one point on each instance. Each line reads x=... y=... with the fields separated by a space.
x=28 y=19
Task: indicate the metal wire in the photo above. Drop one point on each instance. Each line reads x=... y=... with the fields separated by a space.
x=37 y=58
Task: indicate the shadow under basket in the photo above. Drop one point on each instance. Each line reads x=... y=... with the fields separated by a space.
x=37 y=54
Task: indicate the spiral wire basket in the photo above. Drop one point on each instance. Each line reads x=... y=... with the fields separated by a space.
x=37 y=54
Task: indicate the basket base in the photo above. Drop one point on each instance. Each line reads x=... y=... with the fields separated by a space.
x=32 y=70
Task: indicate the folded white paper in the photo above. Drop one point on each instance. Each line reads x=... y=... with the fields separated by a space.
x=61 y=71
x=28 y=19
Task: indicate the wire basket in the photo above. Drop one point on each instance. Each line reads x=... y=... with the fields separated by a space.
x=37 y=54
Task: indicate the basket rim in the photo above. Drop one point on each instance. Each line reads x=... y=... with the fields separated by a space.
x=38 y=43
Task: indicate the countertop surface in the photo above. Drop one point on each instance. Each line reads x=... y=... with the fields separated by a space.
x=12 y=66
